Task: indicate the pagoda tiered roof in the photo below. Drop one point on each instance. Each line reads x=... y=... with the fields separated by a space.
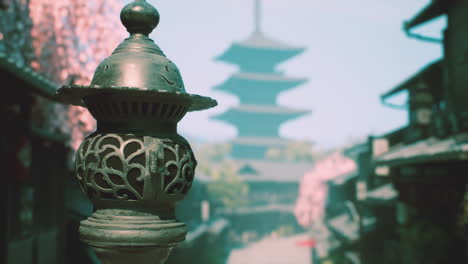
x=272 y=113
x=261 y=41
x=267 y=109
x=258 y=88
x=259 y=53
x=259 y=120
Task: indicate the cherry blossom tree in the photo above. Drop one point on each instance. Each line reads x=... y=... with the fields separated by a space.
x=70 y=38
x=313 y=190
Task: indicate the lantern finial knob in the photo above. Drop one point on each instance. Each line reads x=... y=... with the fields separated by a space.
x=139 y=17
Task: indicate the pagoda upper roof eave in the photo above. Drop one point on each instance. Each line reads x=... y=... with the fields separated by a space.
x=265 y=77
x=239 y=80
x=282 y=113
x=266 y=109
x=259 y=42
x=237 y=50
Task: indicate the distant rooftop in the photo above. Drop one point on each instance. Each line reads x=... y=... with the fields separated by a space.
x=272 y=170
x=268 y=141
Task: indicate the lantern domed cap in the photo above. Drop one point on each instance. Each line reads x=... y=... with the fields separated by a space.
x=137 y=67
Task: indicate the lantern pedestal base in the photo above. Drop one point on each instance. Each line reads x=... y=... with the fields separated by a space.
x=134 y=255
x=127 y=236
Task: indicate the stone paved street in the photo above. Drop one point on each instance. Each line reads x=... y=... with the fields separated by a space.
x=273 y=250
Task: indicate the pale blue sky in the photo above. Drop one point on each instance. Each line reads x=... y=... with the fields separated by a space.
x=356 y=51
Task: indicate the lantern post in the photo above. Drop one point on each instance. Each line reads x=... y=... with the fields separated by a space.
x=135 y=167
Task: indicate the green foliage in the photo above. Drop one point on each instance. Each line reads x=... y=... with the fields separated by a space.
x=212 y=152
x=229 y=194
x=225 y=187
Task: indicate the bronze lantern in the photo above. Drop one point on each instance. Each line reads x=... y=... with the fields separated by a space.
x=135 y=167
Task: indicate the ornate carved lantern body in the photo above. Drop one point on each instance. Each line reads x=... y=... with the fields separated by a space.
x=135 y=167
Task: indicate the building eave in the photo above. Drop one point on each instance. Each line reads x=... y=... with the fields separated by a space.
x=28 y=78
x=433 y=70
x=433 y=10
x=454 y=148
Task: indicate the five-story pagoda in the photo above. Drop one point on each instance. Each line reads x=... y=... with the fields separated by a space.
x=258 y=84
x=259 y=152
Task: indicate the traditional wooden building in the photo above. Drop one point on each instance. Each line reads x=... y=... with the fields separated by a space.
x=375 y=203
x=342 y=218
x=427 y=160
x=40 y=207
x=34 y=161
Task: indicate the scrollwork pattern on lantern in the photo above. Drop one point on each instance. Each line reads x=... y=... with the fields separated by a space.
x=130 y=167
x=179 y=166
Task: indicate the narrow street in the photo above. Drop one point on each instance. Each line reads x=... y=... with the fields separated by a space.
x=273 y=250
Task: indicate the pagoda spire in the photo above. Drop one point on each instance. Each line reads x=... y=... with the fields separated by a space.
x=258 y=15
